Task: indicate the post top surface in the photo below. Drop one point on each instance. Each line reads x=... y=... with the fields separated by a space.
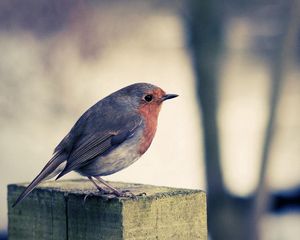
x=84 y=187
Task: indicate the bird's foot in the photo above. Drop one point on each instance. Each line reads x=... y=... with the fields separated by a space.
x=86 y=196
x=128 y=193
x=103 y=191
x=111 y=194
x=141 y=194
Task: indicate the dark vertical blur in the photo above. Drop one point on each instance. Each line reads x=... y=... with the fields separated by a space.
x=229 y=216
x=282 y=57
x=225 y=212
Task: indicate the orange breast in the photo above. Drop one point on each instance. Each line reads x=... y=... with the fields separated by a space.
x=150 y=114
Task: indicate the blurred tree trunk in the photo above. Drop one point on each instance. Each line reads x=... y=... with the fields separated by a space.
x=205 y=38
x=281 y=59
x=229 y=217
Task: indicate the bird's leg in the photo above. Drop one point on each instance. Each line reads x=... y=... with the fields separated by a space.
x=115 y=191
x=100 y=189
x=126 y=193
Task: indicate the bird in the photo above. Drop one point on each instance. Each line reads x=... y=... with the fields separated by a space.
x=108 y=137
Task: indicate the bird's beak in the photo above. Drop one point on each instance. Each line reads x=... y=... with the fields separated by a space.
x=169 y=96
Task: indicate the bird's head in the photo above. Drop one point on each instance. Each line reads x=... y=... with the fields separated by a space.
x=145 y=97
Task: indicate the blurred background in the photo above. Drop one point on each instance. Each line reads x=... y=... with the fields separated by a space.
x=233 y=132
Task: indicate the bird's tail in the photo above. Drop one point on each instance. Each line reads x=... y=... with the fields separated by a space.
x=48 y=170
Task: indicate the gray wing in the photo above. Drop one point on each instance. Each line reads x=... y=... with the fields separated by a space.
x=98 y=143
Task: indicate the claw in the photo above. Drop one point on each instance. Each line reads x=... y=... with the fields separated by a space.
x=103 y=191
x=142 y=194
x=127 y=193
x=85 y=197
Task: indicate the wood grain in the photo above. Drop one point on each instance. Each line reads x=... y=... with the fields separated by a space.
x=73 y=209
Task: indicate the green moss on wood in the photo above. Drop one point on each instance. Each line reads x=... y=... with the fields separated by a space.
x=75 y=210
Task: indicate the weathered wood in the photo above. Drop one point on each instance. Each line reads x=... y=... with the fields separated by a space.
x=75 y=210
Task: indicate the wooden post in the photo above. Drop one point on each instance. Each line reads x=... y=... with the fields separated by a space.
x=75 y=210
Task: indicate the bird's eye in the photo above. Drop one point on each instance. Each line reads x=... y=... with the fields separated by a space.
x=148 y=98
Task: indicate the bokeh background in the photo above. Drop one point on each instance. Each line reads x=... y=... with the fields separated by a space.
x=234 y=131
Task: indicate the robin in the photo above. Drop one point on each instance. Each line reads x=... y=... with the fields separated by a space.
x=108 y=137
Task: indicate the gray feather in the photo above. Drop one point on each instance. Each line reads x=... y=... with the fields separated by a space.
x=46 y=171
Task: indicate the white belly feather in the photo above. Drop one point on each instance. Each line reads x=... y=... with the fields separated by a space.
x=119 y=158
